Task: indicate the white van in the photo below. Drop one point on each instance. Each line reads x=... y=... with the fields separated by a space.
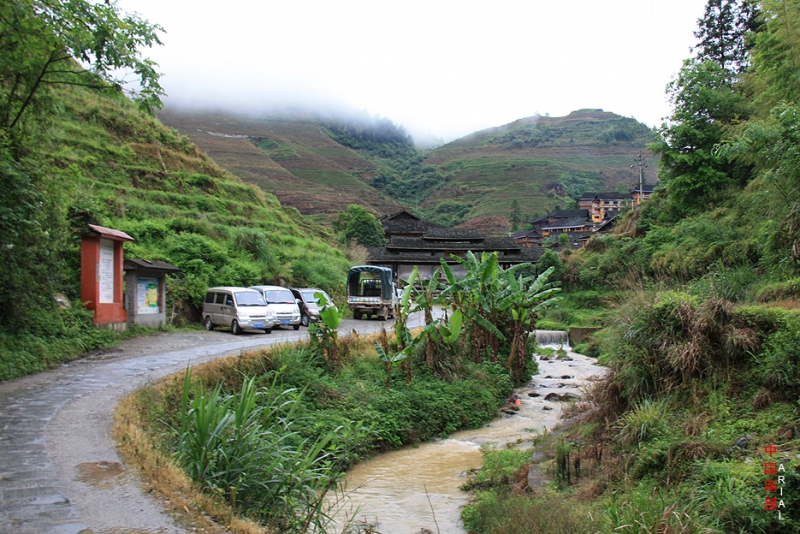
x=283 y=303
x=237 y=307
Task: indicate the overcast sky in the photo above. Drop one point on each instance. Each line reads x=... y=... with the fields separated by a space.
x=448 y=67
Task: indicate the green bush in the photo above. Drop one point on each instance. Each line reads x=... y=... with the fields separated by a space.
x=55 y=337
x=490 y=512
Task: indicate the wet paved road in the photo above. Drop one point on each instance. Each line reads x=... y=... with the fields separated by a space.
x=42 y=489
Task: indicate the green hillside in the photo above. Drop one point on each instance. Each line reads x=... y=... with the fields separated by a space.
x=293 y=158
x=696 y=425
x=320 y=165
x=96 y=159
x=542 y=162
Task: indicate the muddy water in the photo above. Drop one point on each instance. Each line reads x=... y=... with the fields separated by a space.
x=416 y=488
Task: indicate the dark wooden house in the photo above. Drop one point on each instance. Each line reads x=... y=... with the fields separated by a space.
x=402 y=253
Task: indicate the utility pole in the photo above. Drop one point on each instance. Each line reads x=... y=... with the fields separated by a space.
x=641 y=164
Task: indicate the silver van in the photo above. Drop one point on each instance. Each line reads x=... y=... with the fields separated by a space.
x=237 y=307
x=283 y=303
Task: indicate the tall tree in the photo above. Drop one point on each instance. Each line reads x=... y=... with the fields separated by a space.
x=723 y=33
x=360 y=225
x=516 y=217
x=71 y=42
x=704 y=102
x=44 y=44
x=707 y=100
x=776 y=56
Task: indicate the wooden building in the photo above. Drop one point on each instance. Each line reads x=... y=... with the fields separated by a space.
x=640 y=196
x=598 y=204
x=402 y=253
x=405 y=224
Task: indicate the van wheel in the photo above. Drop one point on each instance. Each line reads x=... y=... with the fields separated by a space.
x=296 y=326
x=268 y=330
x=235 y=328
x=356 y=315
x=304 y=320
x=208 y=323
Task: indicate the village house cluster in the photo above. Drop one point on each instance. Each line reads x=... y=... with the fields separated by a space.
x=596 y=214
x=415 y=242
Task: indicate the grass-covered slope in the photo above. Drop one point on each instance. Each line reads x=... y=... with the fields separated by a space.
x=299 y=432
x=292 y=157
x=539 y=161
x=321 y=165
x=135 y=175
x=101 y=161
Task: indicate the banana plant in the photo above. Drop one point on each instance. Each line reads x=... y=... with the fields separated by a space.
x=522 y=297
x=389 y=361
x=402 y=311
x=325 y=334
x=476 y=296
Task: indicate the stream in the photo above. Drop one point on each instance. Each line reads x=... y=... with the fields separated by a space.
x=416 y=489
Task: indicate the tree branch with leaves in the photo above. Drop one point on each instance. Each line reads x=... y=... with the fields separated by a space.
x=46 y=43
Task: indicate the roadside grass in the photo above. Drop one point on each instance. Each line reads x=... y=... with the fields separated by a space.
x=587 y=308
x=332 y=420
x=59 y=336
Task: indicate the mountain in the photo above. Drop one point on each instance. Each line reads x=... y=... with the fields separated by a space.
x=542 y=162
x=320 y=165
x=293 y=158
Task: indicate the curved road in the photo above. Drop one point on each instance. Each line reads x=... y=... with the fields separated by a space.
x=60 y=472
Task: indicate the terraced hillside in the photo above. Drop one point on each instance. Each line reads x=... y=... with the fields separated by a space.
x=292 y=158
x=542 y=162
x=127 y=171
x=539 y=161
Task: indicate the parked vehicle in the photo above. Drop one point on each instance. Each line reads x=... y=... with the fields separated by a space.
x=309 y=305
x=371 y=291
x=237 y=307
x=283 y=303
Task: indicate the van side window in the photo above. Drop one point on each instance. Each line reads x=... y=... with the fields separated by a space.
x=229 y=301
x=220 y=298
x=209 y=298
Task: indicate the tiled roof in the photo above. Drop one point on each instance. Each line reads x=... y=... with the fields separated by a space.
x=646 y=188
x=153 y=265
x=606 y=195
x=381 y=255
x=416 y=243
x=568 y=223
x=399 y=215
x=568 y=214
x=451 y=233
x=526 y=233
x=110 y=233
x=407 y=225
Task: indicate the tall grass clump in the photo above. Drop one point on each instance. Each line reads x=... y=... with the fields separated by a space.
x=243 y=448
x=646 y=509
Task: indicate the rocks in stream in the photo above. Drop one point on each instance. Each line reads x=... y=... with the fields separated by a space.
x=561 y=397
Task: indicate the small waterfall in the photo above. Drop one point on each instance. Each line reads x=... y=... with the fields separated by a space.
x=552 y=337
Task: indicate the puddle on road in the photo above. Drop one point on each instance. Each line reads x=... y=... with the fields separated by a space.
x=123 y=531
x=99 y=473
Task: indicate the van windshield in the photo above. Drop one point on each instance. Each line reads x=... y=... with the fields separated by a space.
x=308 y=296
x=279 y=296
x=250 y=298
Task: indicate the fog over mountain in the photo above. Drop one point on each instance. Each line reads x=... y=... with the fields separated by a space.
x=441 y=69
